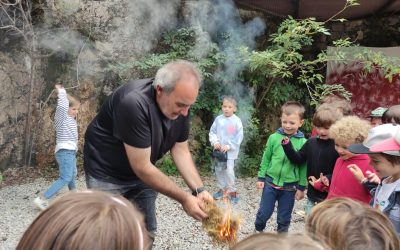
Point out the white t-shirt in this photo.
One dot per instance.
(381, 198)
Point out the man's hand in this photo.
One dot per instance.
(205, 196)
(260, 184)
(195, 206)
(299, 195)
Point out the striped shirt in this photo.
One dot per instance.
(65, 125)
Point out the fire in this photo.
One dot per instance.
(221, 225)
(228, 228)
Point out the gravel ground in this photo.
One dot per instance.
(176, 230)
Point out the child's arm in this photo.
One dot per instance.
(213, 137)
(369, 182)
(296, 157)
(62, 105)
(318, 184)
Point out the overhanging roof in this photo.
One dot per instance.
(320, 9)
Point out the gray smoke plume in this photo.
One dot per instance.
(220, 20)
(143, 25)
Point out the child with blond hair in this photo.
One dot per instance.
(346, 131)
(281, 180)
(66, 145)
(383, 147)
(346, 224)
(226, 135)
(318, 152)
(88, 220)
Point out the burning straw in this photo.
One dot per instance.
(222, 226)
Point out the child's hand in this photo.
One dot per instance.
(357, 172)
(312, 180)
(372, 177)
(260, 184)
(285, 140)
(224, 148)
(58, 86)
(299, 195)
(324, 179)
(217, 146)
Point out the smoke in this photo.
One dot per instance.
(146, 20)
(134, 27)
(220, 20)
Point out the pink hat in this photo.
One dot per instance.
(389, 146)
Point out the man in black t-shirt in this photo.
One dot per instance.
(138, 123)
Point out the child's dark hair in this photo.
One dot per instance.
(392, 159)
(325, 116)
(293, 107)
(392, 115)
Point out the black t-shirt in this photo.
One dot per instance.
(129, 115)
(321, 157)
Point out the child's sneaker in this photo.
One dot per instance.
(40, 203)
(233, 197)
(218, 195)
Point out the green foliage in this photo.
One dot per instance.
(251, 150)
(283, 91)
(167, 165)
(324, 90)
(176, 44)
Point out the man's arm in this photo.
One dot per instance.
(139, 159)
(185, 165)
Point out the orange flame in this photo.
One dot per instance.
(228, 228)
(221, 224)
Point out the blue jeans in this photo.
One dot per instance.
(66, 160)
(285, 201)
(138, 193)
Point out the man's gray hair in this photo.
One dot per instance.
(168, 75)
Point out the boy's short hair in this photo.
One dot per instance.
(349, 129)
(293, 107)
(325, 116)
(230, 99)
(344, 223)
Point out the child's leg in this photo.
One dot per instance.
(230, 175)
(267, 206)
(285, 209)
(65, 159)
(72, 183)
(220, 172)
